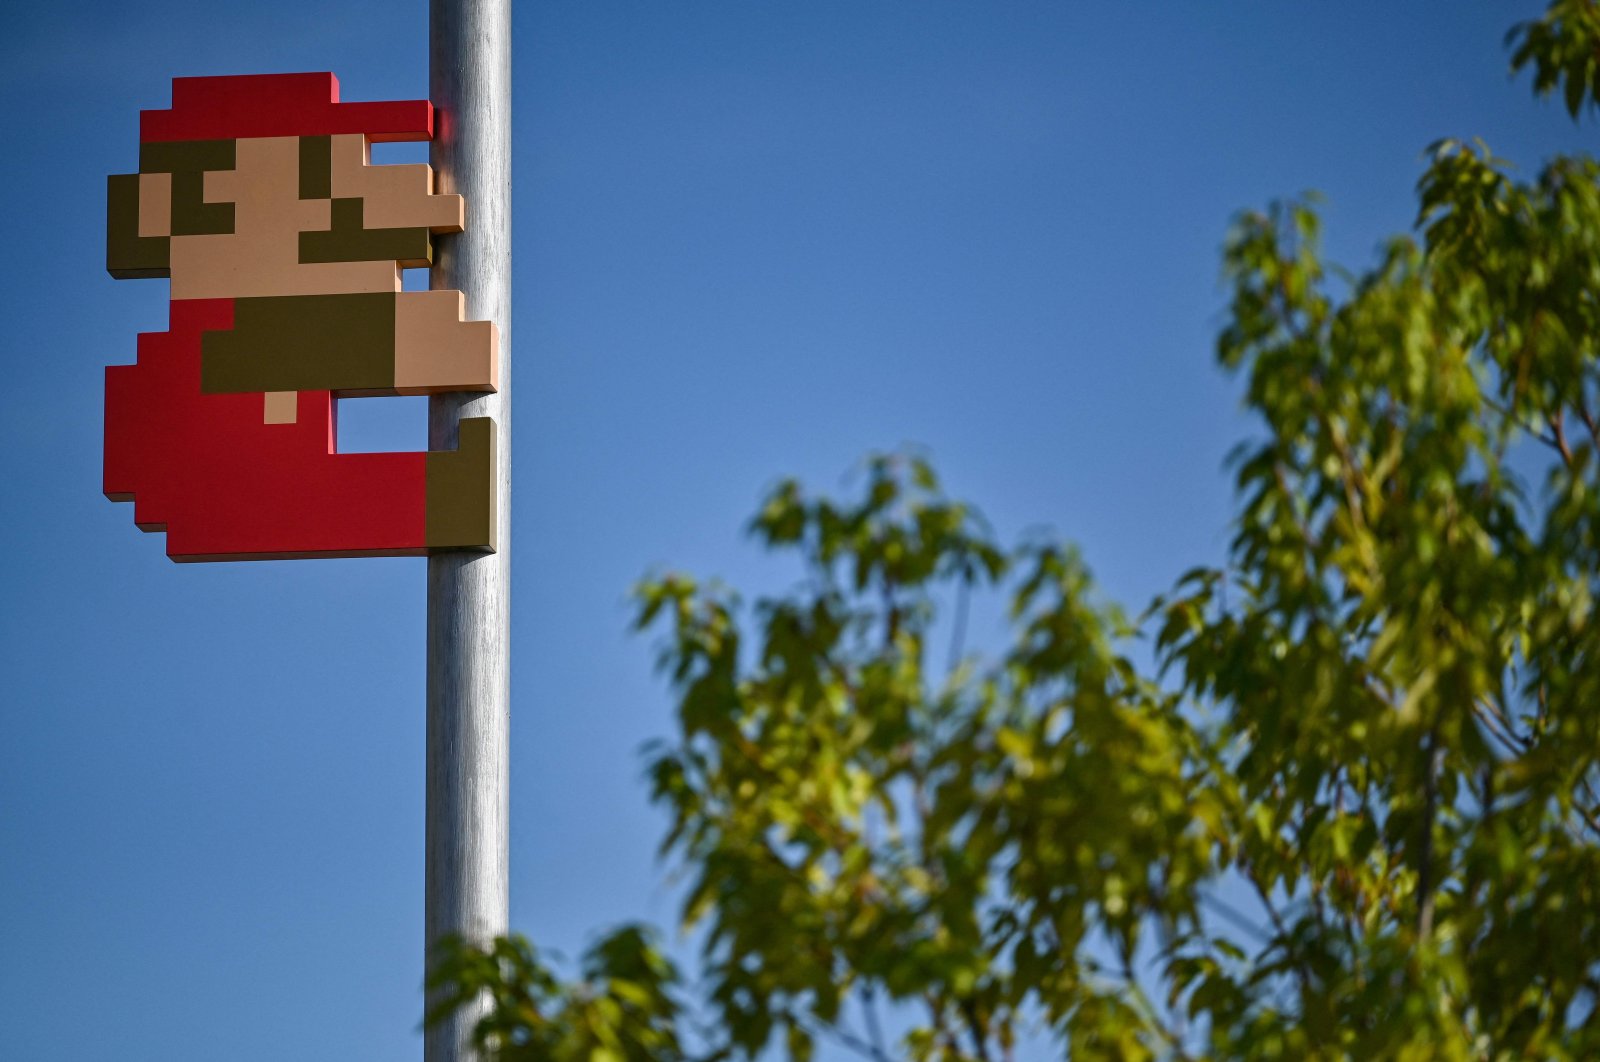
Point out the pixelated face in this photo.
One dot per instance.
(283, 215)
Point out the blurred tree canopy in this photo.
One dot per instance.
(1348, 810)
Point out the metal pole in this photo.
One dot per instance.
(469, 594)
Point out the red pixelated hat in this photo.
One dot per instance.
(251, 105)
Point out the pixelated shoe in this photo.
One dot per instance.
(461, 502)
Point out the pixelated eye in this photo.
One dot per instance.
(188, 162)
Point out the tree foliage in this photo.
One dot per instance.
(1334, 799)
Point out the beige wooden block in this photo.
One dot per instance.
(397, 197)
(261, 256)
(435, 350)
(155, 204)
(281, 407)
(209, 267)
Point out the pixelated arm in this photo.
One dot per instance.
(378, 343)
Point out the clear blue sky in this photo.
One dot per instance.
(752, 239)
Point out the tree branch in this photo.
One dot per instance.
(1430, 806)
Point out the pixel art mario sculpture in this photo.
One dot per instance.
(284, 245)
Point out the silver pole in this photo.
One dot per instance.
(469, 594)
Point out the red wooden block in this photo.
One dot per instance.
(258, 105)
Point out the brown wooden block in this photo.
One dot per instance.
(261, 257)
(303, 343)
(435, 350)
(193, 155)
(129, 255)
(187, 163)
(461, 491)
(191, 214)
(316, 167)
(349, 240)
(395, 196)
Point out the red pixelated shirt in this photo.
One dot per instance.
(225, 485)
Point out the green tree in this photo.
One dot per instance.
(1350, 813)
